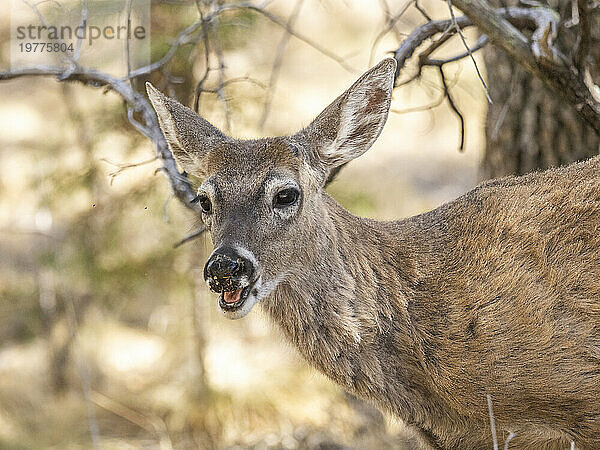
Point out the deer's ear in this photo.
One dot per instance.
(189, 136)
(350, 125)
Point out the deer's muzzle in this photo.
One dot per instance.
(227, 272)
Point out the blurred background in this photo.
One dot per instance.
(108, 335)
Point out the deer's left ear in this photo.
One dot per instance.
(349, 126)
(189, 136)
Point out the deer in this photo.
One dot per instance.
(495, 294)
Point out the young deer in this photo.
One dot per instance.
(496, 293)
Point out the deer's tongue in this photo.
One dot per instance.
(233, 296)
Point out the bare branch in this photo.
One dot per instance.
(90, 77)
(522, 17)
(420, 35)
(481, 42)
(562, 80)
(500, 26)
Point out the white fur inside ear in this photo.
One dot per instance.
(358, 128)
(362, 114)
(165, 118)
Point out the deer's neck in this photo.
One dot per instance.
(345, 307)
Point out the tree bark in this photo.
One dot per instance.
(527, 127)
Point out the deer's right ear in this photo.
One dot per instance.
(350, 125)
(189, 136)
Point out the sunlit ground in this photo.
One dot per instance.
(148, 362)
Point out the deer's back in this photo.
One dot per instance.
(508, 302)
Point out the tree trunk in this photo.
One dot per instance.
(529, 128)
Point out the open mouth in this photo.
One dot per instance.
(232, 300)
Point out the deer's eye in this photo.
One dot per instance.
(285, 197)
(204, 203)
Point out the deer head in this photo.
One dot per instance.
(263, 200)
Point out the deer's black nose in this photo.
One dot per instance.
(226, 270)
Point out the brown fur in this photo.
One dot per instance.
(497, 292)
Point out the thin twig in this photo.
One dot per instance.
(422, 11)
(278, 61)
(183, 37)
(388, 17)
(436, 44)
(437, 102)
(200, 84)
(464, 41)
(390, 25)
(427, 107)
(190, 237)
(226, 83)
(221, 85)
(123, 167)
(245, 79)
(515, 79)
(130, 117)
(481, 42)
(454, 108)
